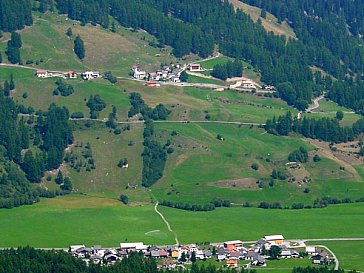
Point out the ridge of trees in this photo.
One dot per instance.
(154, 156)
(325, 129)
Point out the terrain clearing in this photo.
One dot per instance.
(270, 23)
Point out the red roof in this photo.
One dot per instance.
(70, 72)
(42, 71)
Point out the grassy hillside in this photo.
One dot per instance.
(227, 171)
(203, 167)
(270, 23)
(46, 40)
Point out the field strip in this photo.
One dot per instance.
(164, 121)
(167, 223)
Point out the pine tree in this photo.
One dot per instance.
(69, 32)
(6, 89)
(59, 179)
(113, 27)
(12, 84)
(79, 48)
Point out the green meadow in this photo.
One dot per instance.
(78, 219)
(247, 224)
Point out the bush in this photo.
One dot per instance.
(255, 166)
(316, 158)
(124, 199)
(77, 115)
(299, 155)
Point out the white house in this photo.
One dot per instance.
(247, 84)
(90, 75)
(139, 74)
(42, 73)
(73, 248)
(311, 250)
(133, 246)
(195, 68)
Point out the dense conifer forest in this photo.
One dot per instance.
(15, 14)
(28, 147)
(325, 129)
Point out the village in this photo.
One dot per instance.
(230, 254)
(167, 74)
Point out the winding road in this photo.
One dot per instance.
(315, 104)
(167, 223)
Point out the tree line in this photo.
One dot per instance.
(326, 129)
(154, 155)
(215, 203)
(229, 70)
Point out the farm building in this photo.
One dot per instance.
(233, 244)
(90, 75)
(70, 75)
(133, 246)
(274, 239)
(195, 67)
(42, 73)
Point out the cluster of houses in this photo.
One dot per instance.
(230, 253)
(88, 75)
(166, 74)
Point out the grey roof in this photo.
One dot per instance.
(207, 252)
(154, 253)
(255, 256)
(261, 242)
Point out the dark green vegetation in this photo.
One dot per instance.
(154, 156)
(228, 70)
(15, 14)
(325, 129)
(44, 141)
